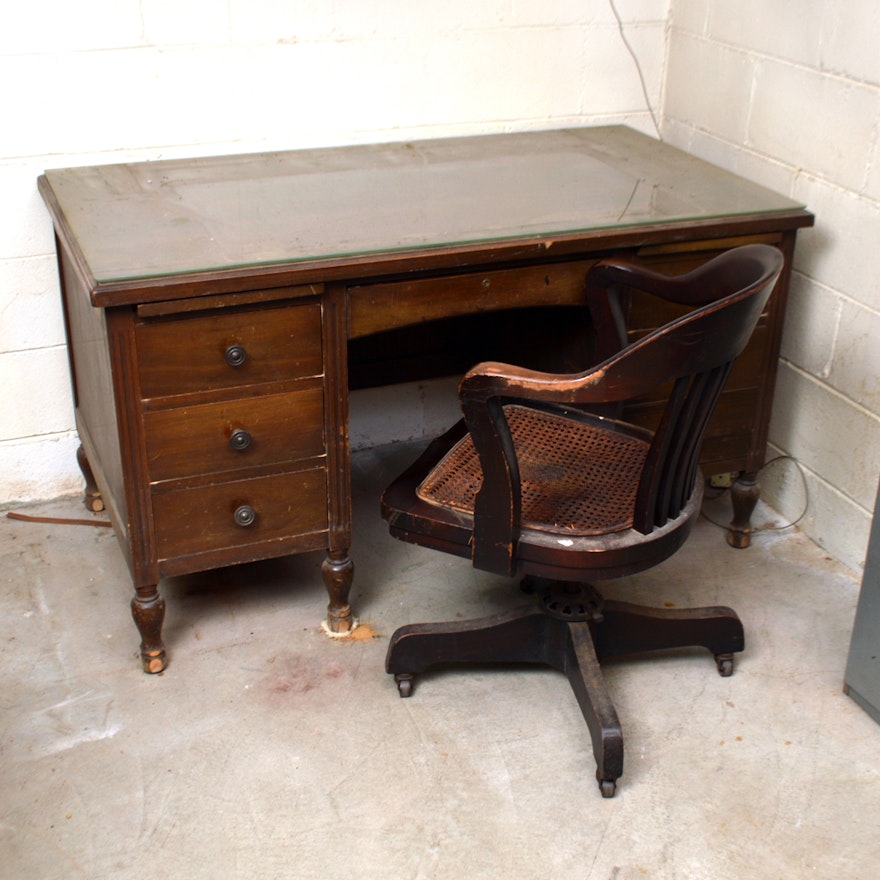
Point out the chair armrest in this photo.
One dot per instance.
(595, 387)
(483, 393)
(498, 504)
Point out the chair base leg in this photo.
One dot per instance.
(573, 646)
(586, 680)
(635, 629)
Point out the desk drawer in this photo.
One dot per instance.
(228, 348)
(240, 513)
(218, 437)
(374, 308)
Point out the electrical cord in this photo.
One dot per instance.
(782, 528)
(57, 520)
(638, 67)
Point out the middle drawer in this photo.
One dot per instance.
(218, 437)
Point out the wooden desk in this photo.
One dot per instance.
(209, 304)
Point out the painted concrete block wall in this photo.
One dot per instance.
(788, 94)
(106, 81)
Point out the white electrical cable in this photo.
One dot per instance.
(638, 67)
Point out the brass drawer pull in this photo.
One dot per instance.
(244, 515)
(240, 440)
(235, 355)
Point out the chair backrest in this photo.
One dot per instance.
(695, 354)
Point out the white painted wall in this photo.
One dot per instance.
(787, 92)
(113, 80)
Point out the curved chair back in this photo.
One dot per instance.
(695, 353)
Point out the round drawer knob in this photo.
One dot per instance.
(239, 440)
(244, 515)
(235, 355)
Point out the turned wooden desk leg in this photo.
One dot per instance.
(148, 611)
(92, 494)
(338, 573)
(744, 493)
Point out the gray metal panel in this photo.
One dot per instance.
(862, 680)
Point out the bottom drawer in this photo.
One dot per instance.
(240, 513)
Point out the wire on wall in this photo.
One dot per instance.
(638, 67)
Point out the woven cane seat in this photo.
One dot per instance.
(577, 477)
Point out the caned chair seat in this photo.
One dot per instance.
(578, 476)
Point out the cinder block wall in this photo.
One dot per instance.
(788, 94)
(105, 81)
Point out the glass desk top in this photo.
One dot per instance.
(150, 219)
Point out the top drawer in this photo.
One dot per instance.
(374, 308)
(229, 347)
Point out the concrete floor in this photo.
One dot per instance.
(267, 750)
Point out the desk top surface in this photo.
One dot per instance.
(152, 219)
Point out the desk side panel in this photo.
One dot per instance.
(104, 375)
(94, 400)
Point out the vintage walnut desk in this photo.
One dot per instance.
(219, 309)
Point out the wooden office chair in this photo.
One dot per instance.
(541, 479)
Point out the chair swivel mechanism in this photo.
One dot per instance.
(543, 480)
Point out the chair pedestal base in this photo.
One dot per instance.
(573, 639)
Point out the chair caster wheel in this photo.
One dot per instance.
(607, 787)
(724, 662)
(404, 685)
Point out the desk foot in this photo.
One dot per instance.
(92, 494)
(744, 494)
(148, 611)
(338, 573)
